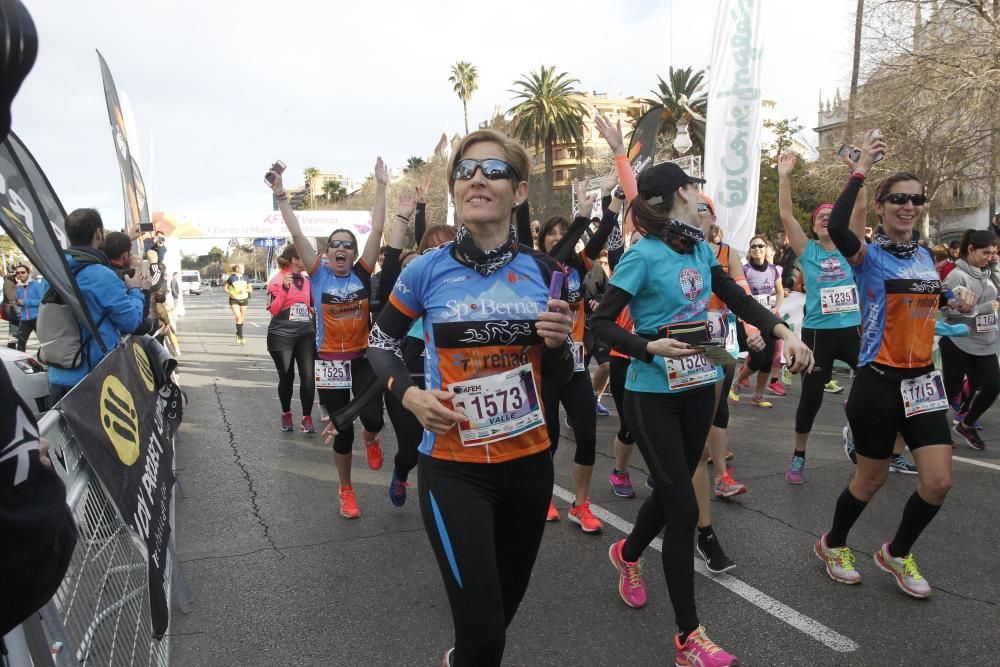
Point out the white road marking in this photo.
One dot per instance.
(974, 462)
(801, 622)
(254, 324)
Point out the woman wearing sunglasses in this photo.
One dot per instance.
(291, 337)
(409, 432)
(576, 396)
(492, 332)
(973, 356)
(764, 279)
(666, 279)
(832, 312)
(341, 286)
(896, 388)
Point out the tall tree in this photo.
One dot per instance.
(550, 111)
(308, 174)
(465, 79)
(414, 163)
(333, 192)
(683, 89)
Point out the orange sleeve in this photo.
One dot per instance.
(315, 267)
(402, 308)
(627, 179)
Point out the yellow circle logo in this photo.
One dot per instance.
(120, 419)
(145, 369)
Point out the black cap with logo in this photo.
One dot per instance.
(662, 180)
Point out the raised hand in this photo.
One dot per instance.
(871, 148)
(423, 187)
(609, 182)
(786, 163)
(611, 133)
(277, 186)
(381, 172)
(584, 200)
(407, 205)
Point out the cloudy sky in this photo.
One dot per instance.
(220, 89)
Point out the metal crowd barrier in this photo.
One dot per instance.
(100, 615)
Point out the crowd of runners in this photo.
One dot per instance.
(473, 339)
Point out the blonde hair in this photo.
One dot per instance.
(513, 154)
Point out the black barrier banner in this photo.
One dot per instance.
(132, 187)
(33, 216)
(124, 414)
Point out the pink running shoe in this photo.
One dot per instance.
(700, 651)
(286, 422)
(776, 388)
(307, 424)
(630, 585)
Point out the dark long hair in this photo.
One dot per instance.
(287, 255)
(650, 220)
(976, 239)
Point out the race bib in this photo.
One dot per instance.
(497, 407)
(299, 312)
(688, 372)
(578, 358)
(843, 299)
(763, 299)
(986, 323)
(333, 374)
(718, 329)
(923, 394)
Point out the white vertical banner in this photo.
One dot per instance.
(733, 124)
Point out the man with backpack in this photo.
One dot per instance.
(116, 306)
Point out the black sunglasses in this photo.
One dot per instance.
(338, 243)
(900, 199)
(21, 273)
(493, 169)
(757, 246)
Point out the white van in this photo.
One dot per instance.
(190, 282)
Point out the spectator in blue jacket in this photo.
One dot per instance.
(116, 304)
(29, 298)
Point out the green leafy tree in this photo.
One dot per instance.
(465, 79)
(414, 163)
(768, 218)
(550, 111)
(308, 174)
(683, 89)
(333, 192)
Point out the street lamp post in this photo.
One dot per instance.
(682, 140)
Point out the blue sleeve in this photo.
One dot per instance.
(123, 307)
(407, 293)
(630, 274)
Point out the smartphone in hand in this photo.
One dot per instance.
(276, 169)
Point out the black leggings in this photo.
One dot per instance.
(827, 345)
(757, 361)
(983, 373)
(618, 371)
(721, 419)
(289, 352)
(671, 430)
(335, 399)
(485, 523)
(23, 332)
(577, 397)
(409, 432)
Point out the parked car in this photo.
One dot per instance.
(190, 282)
(258, 284)
(30, 377)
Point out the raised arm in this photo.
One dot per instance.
(370, 254)
(797, 238)
(306, 252)
(859, 216)
(420, 221)
(847, 241)
(610, 207)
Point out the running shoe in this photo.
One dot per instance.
(630, 585)
(243, 341)
(238, 340)
(729, 457)
(971, 436)
(775, 388)
(600, 409)
(905, 570)
(795, 474)
(898, 463)
(397, 489)
(307, 424)
(839, 562)
(716, 559)
(583, 517)
(621, 484)
(727, 487)
(447, 657)
(700, 651)
(286, 422)
(832, 387)
(959, 418)
(374, 446)
(786, 375)
(758, 401)
(348, 503)
(734, 393)
(553, 514)
(849, 450)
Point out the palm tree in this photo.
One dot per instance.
(684, 86)
(308, 174)
(465, 77)
(550, 111)
(414, 163)
(333, 192)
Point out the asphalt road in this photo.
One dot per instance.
(279, 578)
